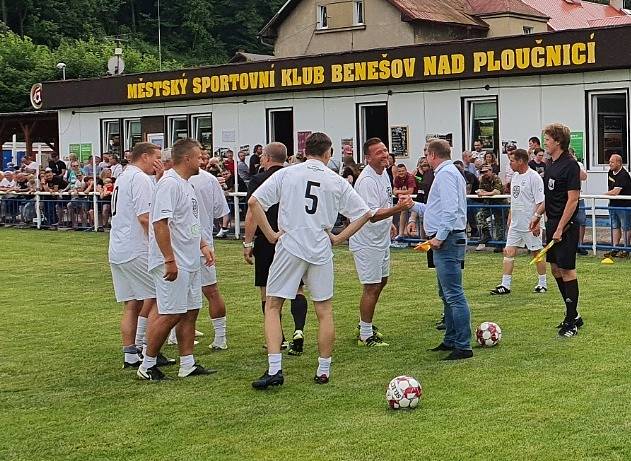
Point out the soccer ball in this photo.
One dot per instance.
(404, 392)
(488, 334)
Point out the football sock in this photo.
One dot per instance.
(571, 299)
(220, 330)
(299, 311)
(507, 280)
(263, 307)
(365, 330)
(131, 354)
(148, 362)
(274, 363)
(543, 281)
(324, 366)
(172, 336)
(141, 328)
(561, 285)
(186, 361)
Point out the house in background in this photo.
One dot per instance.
(308, 27)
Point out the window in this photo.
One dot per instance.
(528, 30)
(178, 128)
(609, 129)
(372, 122)
(481, 123)
(133, 133)
(322, 17)
(280, 127)
(203, 130)
(359, 12)
(111, 141)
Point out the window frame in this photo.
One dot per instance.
(361, 126)
(528, 30)
(468, 120)
(194, 128)
(127, 141)
(322, 22)
(170, 120)
(358, 10)
(104, 133)
(591, 142)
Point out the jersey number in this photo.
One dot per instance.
(314, 198)
(114, 199)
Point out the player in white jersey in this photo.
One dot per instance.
(212, 205)
(526, 196)
(175, 242)
(128, 249)
(371, 244)
(310, 197)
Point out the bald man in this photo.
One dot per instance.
(619, 183)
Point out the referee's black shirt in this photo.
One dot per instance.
(272, 212)
(561, 176)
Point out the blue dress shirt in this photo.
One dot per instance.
(447, 202)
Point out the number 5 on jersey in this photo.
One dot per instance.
(314, 198)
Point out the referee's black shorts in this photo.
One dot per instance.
(563, 253)
(263, 256)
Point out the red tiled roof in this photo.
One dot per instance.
(578, 15)
(481, 7)
(452, 11)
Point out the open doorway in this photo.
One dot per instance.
(280, 127)
(372, 122)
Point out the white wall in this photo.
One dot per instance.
(525, 105)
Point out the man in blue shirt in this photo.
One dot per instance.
(445, 222)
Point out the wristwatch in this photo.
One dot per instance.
(248, 245)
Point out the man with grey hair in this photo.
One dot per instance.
(256, 246)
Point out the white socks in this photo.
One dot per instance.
(507, 280)
(220, 331)
(365, 330)
(141, 328)
(324, 366)
(274, 363)
(131, 354)
(543, 281)
(187, 362)
(148, 362)
(172, 339)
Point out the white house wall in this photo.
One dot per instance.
(525, 105)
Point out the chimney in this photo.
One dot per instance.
(617, 4)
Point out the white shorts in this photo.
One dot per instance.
(372, 265)
(288, 270)
(208, 274)
(179, 296)
(521, 239)
(132, 280)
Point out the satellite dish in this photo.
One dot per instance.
(116, 65)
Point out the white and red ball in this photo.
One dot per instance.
(488, 334)
(404, 392)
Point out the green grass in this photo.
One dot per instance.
(64, 396)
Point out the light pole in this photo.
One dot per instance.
(159, 39)
(62, 66)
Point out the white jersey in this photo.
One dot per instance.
(176, 201)
(310, 196)
(376, 191)
(133, 192)
(212, 202)
(526, 192)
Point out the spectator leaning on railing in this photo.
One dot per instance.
(490, 185)
(404, 185)
(619, 183)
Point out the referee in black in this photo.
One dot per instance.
(256, 245)
(562, 184)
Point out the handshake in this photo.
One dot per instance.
(405, 202)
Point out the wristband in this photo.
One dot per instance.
(248, 245)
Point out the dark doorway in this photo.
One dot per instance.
(373, 123)
(280, 127)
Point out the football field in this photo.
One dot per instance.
(64, 396)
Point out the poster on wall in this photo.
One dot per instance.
(245, 148)
(156, 138)
(399, 141)
(576, 143)
(449, 137)
(302, 141)
(228, 135)
(82, 151)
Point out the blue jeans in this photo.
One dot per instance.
(449, 273)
